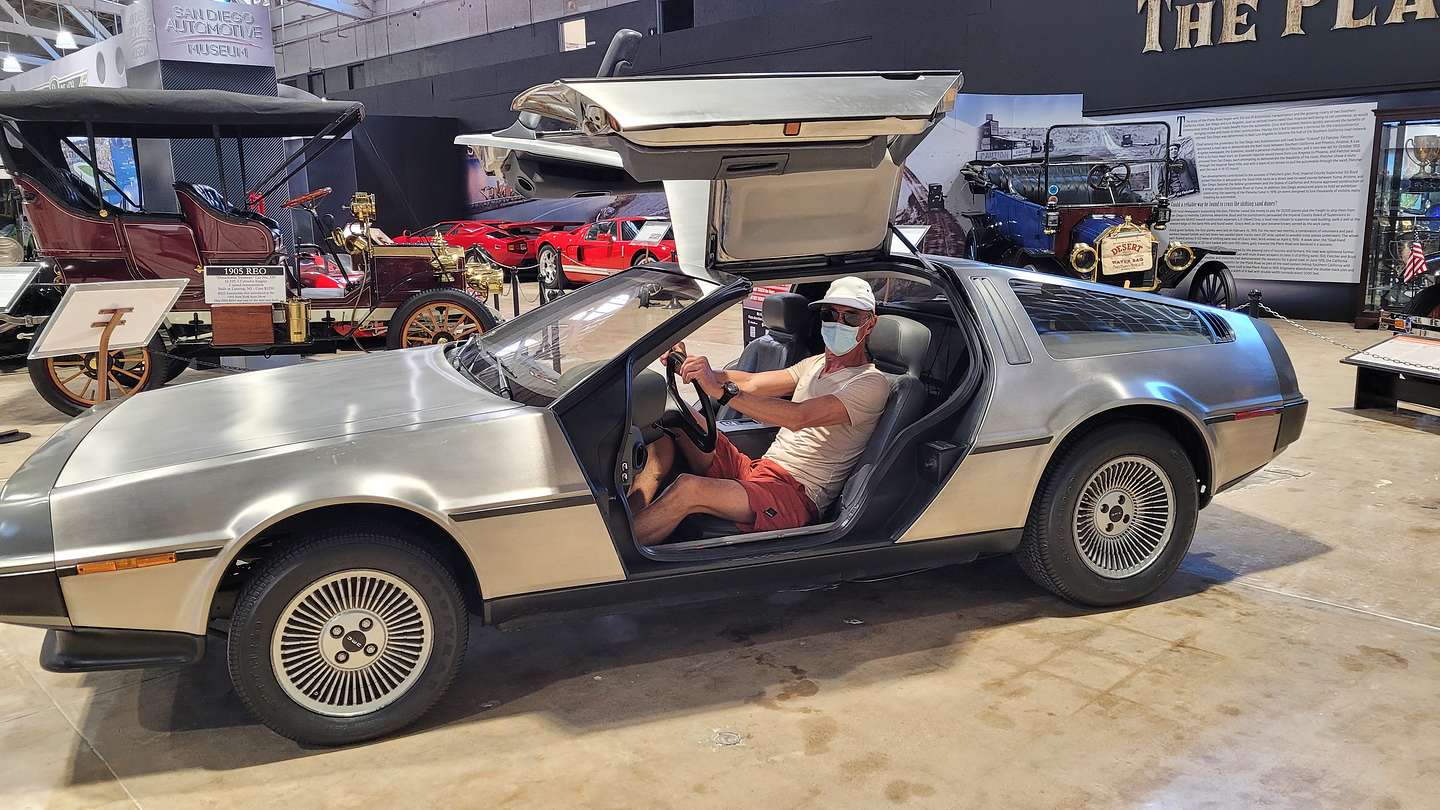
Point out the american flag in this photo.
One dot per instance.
(1415, 262)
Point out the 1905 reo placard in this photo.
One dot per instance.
(244, 284)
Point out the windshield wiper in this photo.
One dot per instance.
(463, 363)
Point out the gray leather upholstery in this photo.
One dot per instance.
(787, 318)
(898, 346)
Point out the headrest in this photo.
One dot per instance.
(898, 345)
(786, 312)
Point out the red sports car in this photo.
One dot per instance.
(576, 256)
(508, 245)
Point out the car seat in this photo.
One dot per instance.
(898, 347)
(787, 320)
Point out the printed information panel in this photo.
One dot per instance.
(244, 284)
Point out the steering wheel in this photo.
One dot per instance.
(703, 436)
(1104, 177)
(306, 198)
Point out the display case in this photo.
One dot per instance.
(1402, 242)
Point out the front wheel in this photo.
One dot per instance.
(1113, 517)
(438, 316)
(1213, 286)
(550, 271)
(71, 383)
(346, 636)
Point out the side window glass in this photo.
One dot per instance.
(1073, 322)
(629, 229)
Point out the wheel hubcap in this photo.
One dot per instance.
(351, 643)
(1124, 517)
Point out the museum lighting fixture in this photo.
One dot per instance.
(64, 40)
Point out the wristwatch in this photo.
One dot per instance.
(731, 391)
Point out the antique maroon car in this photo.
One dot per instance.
(89, 227)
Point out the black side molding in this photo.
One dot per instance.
(32, 598)
(91, 649)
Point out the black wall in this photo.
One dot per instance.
(1092, 47)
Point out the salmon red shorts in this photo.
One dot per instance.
(776, 498)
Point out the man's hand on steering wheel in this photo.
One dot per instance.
(697, 370)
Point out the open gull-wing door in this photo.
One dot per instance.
(758, 168)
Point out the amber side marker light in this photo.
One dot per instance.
(125, 564)
(792, 128)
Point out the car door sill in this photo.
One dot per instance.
(741, 539)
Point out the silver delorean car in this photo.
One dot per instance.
(342, 523)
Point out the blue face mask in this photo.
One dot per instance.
(839, 338)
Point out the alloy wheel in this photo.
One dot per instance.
(351, 643)
(1124, 517)
(549, 270)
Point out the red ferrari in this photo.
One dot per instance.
(507, 245)
(569, 258)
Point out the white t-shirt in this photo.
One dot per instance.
(820, 458)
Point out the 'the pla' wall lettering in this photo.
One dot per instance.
(1196, 24)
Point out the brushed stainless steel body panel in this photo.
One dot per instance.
(445, 466)
(1048, 398)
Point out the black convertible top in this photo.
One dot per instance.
(135, 113)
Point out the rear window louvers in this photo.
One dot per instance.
(1222, 330)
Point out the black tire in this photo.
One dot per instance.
(641, 258)
(175, 367)
(550, 273)
(1051, 550)
(50, 375)
(445, 299)
(285, 578)
(1213, 286)
(1425, 303)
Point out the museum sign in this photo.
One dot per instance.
(1228, 22)
(200, 31)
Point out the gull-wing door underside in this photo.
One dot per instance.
(758, 167)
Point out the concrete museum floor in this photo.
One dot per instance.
(1292, 662)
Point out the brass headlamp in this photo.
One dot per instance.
(1084, 259)
(1179, 256)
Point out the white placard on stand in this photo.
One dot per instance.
(14, 279)
(80, 320)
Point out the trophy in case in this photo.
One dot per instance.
(1424, 150)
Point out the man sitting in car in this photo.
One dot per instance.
(835, 400)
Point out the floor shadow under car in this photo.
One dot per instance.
(623, 668)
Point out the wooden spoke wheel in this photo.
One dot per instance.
(438, 317)
(72, 383)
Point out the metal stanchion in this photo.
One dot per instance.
(1254, 310)
(515, 292)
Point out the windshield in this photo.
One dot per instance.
(538, 356)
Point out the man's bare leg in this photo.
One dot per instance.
(691, 494)
(661, 459)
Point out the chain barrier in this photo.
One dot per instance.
(1355, 351)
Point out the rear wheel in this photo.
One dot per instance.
(1113, 517)
(551, 274)
(438, 316)
(71, 383)
(346, 636)
(1213, 286)
(643, 257)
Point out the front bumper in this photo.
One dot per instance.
(92, 649)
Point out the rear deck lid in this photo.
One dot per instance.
(779, 166)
